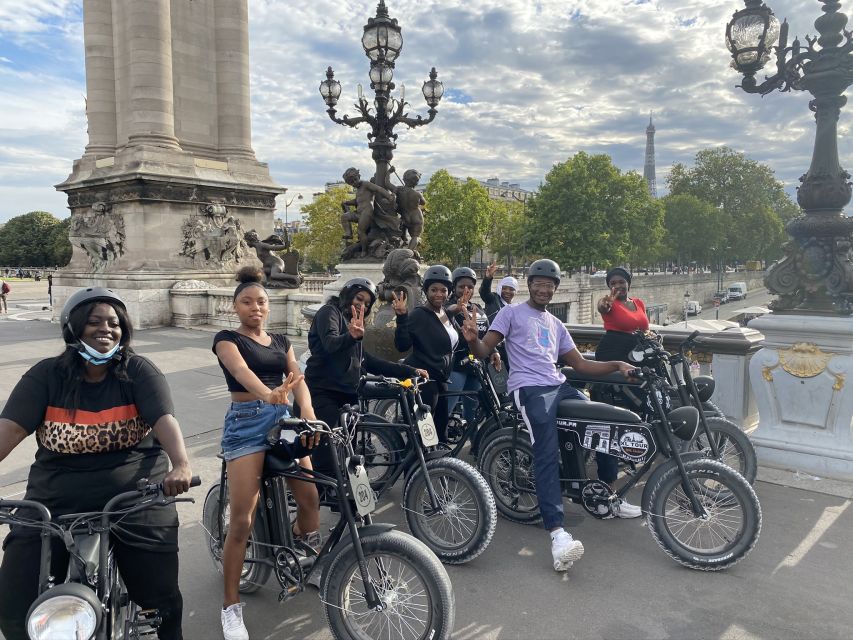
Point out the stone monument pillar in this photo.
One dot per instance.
(168, 183)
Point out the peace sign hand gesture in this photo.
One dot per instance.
(280, 394)
(399, 304)
(462, 301)
(356, 325)
(491, 269)
(606, 303)
(469, 326)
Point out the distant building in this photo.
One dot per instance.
(649, 166)
(497, 190)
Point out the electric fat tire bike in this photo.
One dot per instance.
(702, 513)
(494, 411)
(447, 502)
(717, 437)
(92, 601)
(375, 582)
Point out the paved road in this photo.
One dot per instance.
(796, 584)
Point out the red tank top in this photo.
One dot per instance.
(621, 318)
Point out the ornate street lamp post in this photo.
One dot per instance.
(816, 274)
(382, 42)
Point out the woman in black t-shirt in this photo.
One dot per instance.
(103, 417)
(255, 364)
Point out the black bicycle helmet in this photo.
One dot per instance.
(463, 272)
(438, 273)
(83, 296)
(544, 268)
(354, 285)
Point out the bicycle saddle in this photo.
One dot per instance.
(584, 410)
(276, 466)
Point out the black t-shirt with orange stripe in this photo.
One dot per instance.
(87, 456)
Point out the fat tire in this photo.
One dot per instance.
(395, 546)
(737, 490)
(255, 574)
(416, 497)
(734, 440)
(392, 442)
(493, 459)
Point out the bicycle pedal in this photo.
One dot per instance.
(289, 592)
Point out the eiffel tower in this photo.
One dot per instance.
(649, 166)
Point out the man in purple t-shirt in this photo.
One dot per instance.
(535, 341)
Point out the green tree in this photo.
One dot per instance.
(320, 244)
(506, 233)
(27, 240)
(753, 203)
(587, 212)
(457, 219)
(695, 229)
(59, 244)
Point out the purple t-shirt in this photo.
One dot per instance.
(534, 341)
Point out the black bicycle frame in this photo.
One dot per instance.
(573, 462)
(276, 509)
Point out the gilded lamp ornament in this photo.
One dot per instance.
(816, 274)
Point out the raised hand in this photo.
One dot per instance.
(280, 394)
(399, 304)
(491, 269)
(462, 301)
(356, 325)
(606, 302)
(469, 325)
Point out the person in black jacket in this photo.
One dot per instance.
(338, 357)
(495, 301)
(431, 336)
(461, 378)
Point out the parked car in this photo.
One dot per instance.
(693, 308)
(722, 296)
(737, 291)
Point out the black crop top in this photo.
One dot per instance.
(268, 363)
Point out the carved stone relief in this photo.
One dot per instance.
(99, 233)
(213, 239)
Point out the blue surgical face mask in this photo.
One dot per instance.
(96, 357)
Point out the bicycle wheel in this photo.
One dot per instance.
(736, 450)
(255, 574)
(513, 504)
(726, 533)
(411, 583)
(383, 449)
(388, 409)
(465, 527)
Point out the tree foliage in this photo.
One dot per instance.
(506, 232)
(753, 204)
(587, 212)
(35, 239)
(695, 230)
(320, 244)
(456, 220)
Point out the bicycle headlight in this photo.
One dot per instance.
(67, 611)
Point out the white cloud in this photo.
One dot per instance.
(528, 84)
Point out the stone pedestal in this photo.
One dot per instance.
(168, 183)
(801, 378)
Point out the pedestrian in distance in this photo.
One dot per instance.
(261, 372)
(536, 340)
(103, 419)
(5, 290)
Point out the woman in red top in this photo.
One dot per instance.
(622, 316)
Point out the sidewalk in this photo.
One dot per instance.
(795, 584)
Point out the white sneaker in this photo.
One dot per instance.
(232, 623)
(622, 509)
(565, 550)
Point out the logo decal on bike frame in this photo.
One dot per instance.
(634, 445)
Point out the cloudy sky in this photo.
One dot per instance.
(527, 83)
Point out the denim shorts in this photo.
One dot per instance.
(247, 425)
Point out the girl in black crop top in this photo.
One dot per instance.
(261, 371)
